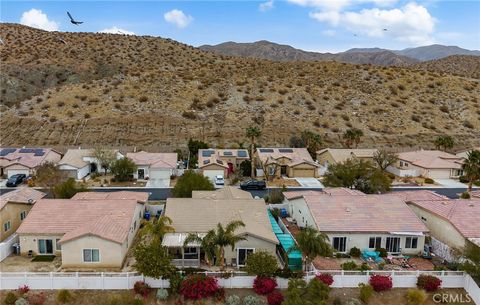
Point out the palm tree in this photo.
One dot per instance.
(225, 236)
(471, 167)
(312, 142)
(159, 228)
(351, 136)
(253, 133)
(445, 142)
(206, 243)
(312, 243)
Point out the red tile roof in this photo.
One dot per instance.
(21, 195)
(431, 159)
(418, 195)
(154, 160)
(120, 195)
(335, 191)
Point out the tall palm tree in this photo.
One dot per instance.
(445, 142)
(351, 136)
(225, 236)
(471, 167)
(159, 228)
(312, 142)
(253, 133)
(312, 243)
(206, 243)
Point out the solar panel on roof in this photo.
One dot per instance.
(39, 152)
(227, 153)
(285, 150)
(207, 153)
(266, 150)
(242, 153)
(26, 151)
(7, 151)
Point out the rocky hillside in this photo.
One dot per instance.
(463, 65)
(71, 89)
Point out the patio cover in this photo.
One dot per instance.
(174, 240)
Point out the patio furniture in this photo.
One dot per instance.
(371, 256)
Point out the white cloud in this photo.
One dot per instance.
(178, 18)
(115, 30)
(37, 19)
(332, 17)
(337, 5)
(265, 6)
(329, 33)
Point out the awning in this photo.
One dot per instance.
(408, 233)
(177, 239)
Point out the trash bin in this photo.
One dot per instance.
(16, 248)
(147, 216)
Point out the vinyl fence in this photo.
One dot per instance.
(6, 247)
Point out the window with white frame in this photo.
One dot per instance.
(411, 242)
(23, 215)
(375, 242)
(57, 245)
(340, 244)
(91, 255)
(7, 226)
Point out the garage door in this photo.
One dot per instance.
(159, 174)
(11, 172)
(304, 172)
(439, 174)
(70, 173)
(210, 174)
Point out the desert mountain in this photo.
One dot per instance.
(69, 89)
(435, 51)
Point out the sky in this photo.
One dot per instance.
(314, 25)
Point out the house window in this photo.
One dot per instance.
(190, 253)
(23, 215)
(45, 246)
(242, 255)
(91, 255)
(375, 242)
(134, 224)
(7, 226)
(393, 244)
(57, 245)
(411, 242)
(340, 244)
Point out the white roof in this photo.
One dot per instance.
(177, 240)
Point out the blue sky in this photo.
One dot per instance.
(316, 25)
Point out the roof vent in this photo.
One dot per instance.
(30, 201)
(347, 210)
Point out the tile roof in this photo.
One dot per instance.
(74, 157)
(417, 195)
(368, 213)
(434, 159)
(154, 160)
(118, 195)
(475, 194)
(210, 156)
(227, 192)
(108, 219)
(296, 156)
(21, 195)
(25, 156)
(462, 214)
(340, 155)
(193, 215)
(335, 191)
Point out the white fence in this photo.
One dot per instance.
(6, 247)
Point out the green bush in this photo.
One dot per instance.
(261, 263)
(233, 300)
(355, 252)
(383, 252)
(366, 292)
(191, 181)
(350, 265)
(10, 298)
(465, 195)
(429, 181)
(162, 294)
(64, 296)
(21, 301)
(364, 267)
(416, 297)
(274, 196)
(251, 300)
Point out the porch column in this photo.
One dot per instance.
(183, 257)
(198, 256)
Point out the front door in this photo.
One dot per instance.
(393, 244)
(283, 170)
(141, 174)
(45, 246)
(242, 256)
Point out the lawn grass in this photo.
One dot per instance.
(43, 258)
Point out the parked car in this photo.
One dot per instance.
(16, 179)
(253, 185)
(219, 180)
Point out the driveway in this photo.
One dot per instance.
(158, 183)
(450, 183)
(309, 182)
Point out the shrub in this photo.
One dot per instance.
(350, 265)
(21, 301)
(198, 286)
(10, 298)
(428, 282)
(36, 298)
(366, 292)
(355, 252)
(275, 298)
(275, 196)
(364, 267)
(175, 283)
(381, 282)
(220, 294)
(141, 288)
(337, 301)
(261, 263)
(162, 294)
(233, 300)
(64, 296)
(264, 285)
(251, 300)
(465, 195)
(24, 289)
(382, 252)
(428, 181)
(416, 297)
(325, 278)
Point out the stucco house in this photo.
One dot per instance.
(213, 162)
(25, 160)
(464, 153)
(290, 162)
(86, 231)
(202, 213)
(158, 167)
(329, 156)
(434, 164)
(452, 223)
(14, 208)
(79, 163)
(361, 221)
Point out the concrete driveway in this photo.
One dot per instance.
(450, 183)
(309, 182)
(158, 183)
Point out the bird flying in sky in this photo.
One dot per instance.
(73, 21)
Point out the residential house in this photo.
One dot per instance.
(202, 213)
(79, 163)
(330, 156)
(452, 223)
(434, 164)
(86, 231)
(290, 162)
(213, 162)
(25, 160)
(14, 207)
(158, 167)
(475, 194)
(361, 221)
(464, 153)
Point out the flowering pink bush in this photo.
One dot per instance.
(325, 278)
(23, 289)
(275, 298)
(428, 282)
(264, 285)
(199, 286)
(141, 288)
(381, 282)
